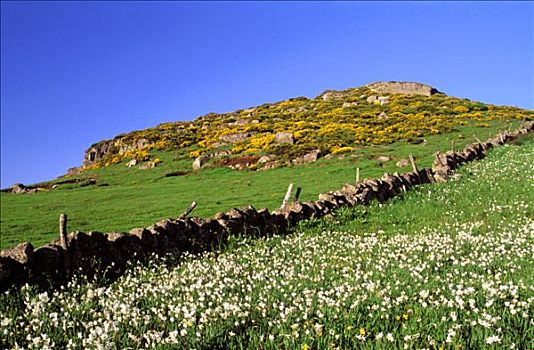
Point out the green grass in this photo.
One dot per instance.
(446, 266)
(135, 198)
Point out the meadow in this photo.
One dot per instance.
(446, 266)
(123, 198)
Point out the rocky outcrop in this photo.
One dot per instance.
(309, 157)
(399, 87)
(283, 137)
(332, 95)
(99, 150)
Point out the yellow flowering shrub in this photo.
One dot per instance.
(340, 150)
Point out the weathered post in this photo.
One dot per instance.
(479, 142)
(297, 194)
(287, 196)
(452, 145)
(357, 176)
(414, 166)
(63, 230)
(188, 211)
(436, 155)
(63, 241)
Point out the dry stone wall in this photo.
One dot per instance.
(98, 253)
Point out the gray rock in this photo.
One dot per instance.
(402, 163)
(399, 87)
(233, 138)
(309, 157)
(199, 162)
(263, 160)
(372, 99)
(18, 188)
(148, 165)
(332, 95)
(384, 100)
(131, 163)
(349, 104)
(383, 159)
(283, 137)
(22, 252)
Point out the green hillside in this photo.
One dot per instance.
(359, 127)
(446, 266)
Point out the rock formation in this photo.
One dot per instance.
(400, 87)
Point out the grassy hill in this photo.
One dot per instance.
(446, 266)
(349, 129)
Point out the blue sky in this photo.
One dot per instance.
(74, 73)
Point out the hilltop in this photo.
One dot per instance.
(300, 130)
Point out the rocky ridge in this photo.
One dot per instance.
(334, 121)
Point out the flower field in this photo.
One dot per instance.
(447, 266)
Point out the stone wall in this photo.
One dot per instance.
(95, 252)
(398, 87)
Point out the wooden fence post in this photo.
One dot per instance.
(414, 166)
(63, 241)
(480, 142)
(297, 194)
(63, 230)
(188, 211)
(357, 176)
(287, 196)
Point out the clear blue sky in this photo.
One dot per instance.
(74, 73)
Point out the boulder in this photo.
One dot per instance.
(263, 160)
(372, 99)
(221, 153)
(309, 157)
(126, 247)
(131, 163)
(383, 116)
(332, 95)
(90, 252)
(18, 188)
(283, 137)
(199, 162)
(270, 165)
(149, 165)
(22, 252)
(384, 100)
(349, 104)
(146, 237)
(233, 138)
(383, 159)
(402, 163)
(12, 273)
(47, 266)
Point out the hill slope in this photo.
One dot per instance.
(368, 127)
(447, 266)
(300, 129)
